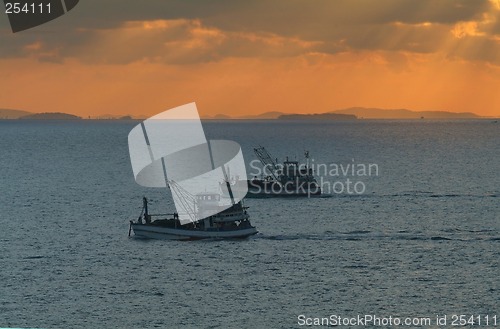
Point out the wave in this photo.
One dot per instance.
(33, 257)
(415, 194)
(357, 232)
(365, 235)
(441, 195)
(440, 238)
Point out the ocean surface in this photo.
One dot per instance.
(423, 239)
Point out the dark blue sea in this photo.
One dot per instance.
(422, 240)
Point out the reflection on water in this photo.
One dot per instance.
(422, 240)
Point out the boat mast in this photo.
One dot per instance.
(266, 160)
(226, 178)
(145, 206)
(224, 172)
(306, 154)
(147, 218)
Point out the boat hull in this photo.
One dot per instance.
(167, 233)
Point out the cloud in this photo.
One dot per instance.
(476, 48)
(178, 41)
(284, 17)
(189, 32)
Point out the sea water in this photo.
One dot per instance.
(422, 240)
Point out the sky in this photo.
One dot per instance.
(129, 57)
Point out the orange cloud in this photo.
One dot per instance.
(178, 41)
(440, 55)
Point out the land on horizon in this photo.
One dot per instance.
(351, 113)
(11, 114)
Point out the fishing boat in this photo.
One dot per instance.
(228, 223)
(289, 178)
(170, 150)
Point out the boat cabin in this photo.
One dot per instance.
(207, 203)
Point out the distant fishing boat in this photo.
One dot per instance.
(170, 150)
(283, 179)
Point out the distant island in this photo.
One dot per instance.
(220, 117)
(50, 116)
(116, 117)
(262, 116)
(353, 113)
(12, 114)
(265, 116)
(376, 113)
(318, 116)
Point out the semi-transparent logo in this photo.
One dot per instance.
(170, 150)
